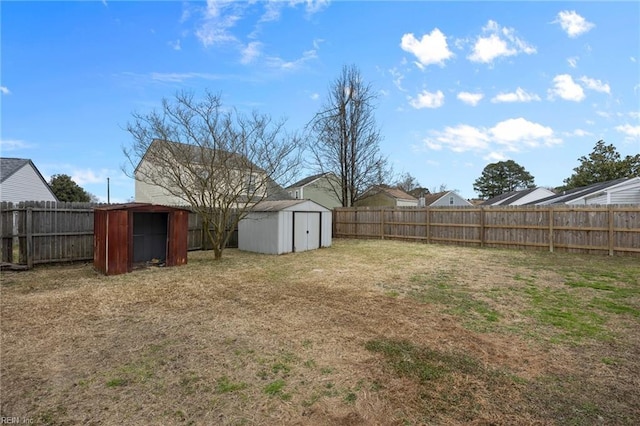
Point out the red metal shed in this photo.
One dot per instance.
(126, 234)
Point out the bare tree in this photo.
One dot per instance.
(407, 182)
(346, 139)
(215, 160)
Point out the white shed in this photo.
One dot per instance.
(277, 227)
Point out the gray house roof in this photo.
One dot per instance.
(307, 180)
(9, 166)
(582, 192)
(507, 197)
(278, 205)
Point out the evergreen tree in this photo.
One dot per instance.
(501, 177)
(602, 165)
(67, 190)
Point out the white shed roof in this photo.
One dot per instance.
(290, 205)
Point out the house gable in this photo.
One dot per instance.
(21, 181)
(445, 198)
(240, 174)
(387, 197)
(318, 188)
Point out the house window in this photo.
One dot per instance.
(451, 200)
(297, 196)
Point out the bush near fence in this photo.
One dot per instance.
(48, 232)
(611, 229)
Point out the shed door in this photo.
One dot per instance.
(306, 231)
(149, 236)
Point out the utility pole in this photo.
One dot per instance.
(108, 193)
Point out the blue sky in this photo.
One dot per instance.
(459, 84)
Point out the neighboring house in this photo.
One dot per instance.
(147, 192)
(518, 198)
(444, 198)
(320, 188)
(385, 196)
(20, 180)
(619, 191)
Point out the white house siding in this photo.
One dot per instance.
(445, 201)
(153, 194)
(407, 203)
(613, 197)
(25, 185)
(627, 192)
(631, 196)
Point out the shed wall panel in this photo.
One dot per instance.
(178, 243)
(258, 232)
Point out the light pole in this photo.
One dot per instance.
(108, 193)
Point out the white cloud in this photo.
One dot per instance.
(517, 131)
(519, 95)
(578, 132)
(275, 62)
(512, 135)
(430, 49)
(566, 88)
(487, 49)
(251, 52)
(13, 144)
(181, 77)
(500, 41)
(573, 61)
(494, 157)
(315, 96)
(88, 176)
(219, 17)
(4, 90)
(463, 138)
(397, 79)
(470, 98)
(629, 130)
(593, 84)
(572, 23)
(272, 11)
(427, 100)
(175, 45)
(311, 6)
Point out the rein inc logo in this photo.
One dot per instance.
(16, 420)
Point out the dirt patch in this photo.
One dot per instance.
(292, 339)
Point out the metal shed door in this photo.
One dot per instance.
(306, 231)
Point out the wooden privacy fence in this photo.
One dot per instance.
(587, 229)
(48, 232)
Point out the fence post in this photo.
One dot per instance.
(551, 229)
(428, 225)
(482, 226)
(611, 231)
(29, 235)
(382, 223)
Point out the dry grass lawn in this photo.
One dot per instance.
(364, 332)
